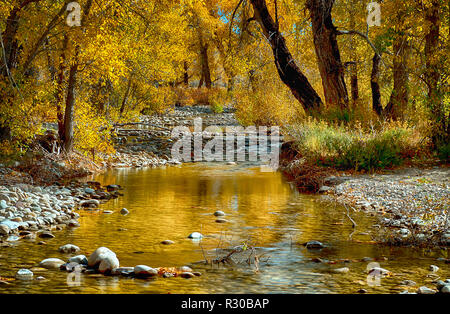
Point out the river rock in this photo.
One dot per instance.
(12, 225)
(314, 245)
(445, 289)
(24, 274)
(185, 269)
(3, 204)
(108, 263)
(221, 221)
(90, 203)
(167, 242)
(378, 271)
(195, 235)
(51, 263)
(46, 235)
(79, 259)
(187, 275)
(143, 271)
(124, 211)
(100, 254)
(425, 290)
(219, 213)
(4, 230)
(434, 268)
(69, 248)
(342, 270)
(123, 271)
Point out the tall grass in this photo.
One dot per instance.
(354, 147)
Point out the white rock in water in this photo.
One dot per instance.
(446, 289)
(425, 290)
(24, 274)
(195, 235)
(69, 248)
(219, 213)
(124, 211)
(145, 271)
(104, 258)
(51, 263)
(341, 270)
(79, 259)
(108, 263)
(434, 268)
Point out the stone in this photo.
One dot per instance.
(324, 189)
(434, 268)
(221, 221)
(108, 263)
(195, 235)
(108, 212)
(46, 235)
(342, 270)
(104, 259)
(51, 263)
(73, 223)
(79, 259)
(187, 275)
(24, 274)
(219, 213)
(314, 245)
(408, 283)
(425, 290)
(69, 248)
(124, 211)
(378, 271)
(167, 242)
(446, 289)
(185, 269)
(89, 191)
(4, 230)
(143, 271)
(3, 204)
(90, 203)
(123, 271)
(12, 225)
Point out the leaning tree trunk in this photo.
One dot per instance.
(289, 72)
(70, 105)
(353, 54)
(327, 52)
(375, 85)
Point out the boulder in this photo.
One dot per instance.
(195, 235)
(314, 245)
(104, 259)
(79, 259)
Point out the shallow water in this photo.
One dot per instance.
(262, 209)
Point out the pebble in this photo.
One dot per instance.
(342, 270)
(144, 271)
(434, 268)
(103, 258)
(24, 274)
(51, 263)
(69, 248)
(445, 289)
(46, 235)
(187, 275)
(221, 221)
(314, 245)
(124, 211)
(79, 259)
(195, 235)
(219, 213)
(425, 290)
(167, 242)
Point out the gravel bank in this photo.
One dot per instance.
(413, 204)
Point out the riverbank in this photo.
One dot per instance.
(412, 204)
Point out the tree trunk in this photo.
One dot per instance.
(206, 73)
(399, 97)
(70, 104)
(353, 54)
(327, 52)
(186, 74)
(375, 85)
(125, 97)
(288, 70)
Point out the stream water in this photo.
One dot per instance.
(262, 210)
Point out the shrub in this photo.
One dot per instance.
(352, 147)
